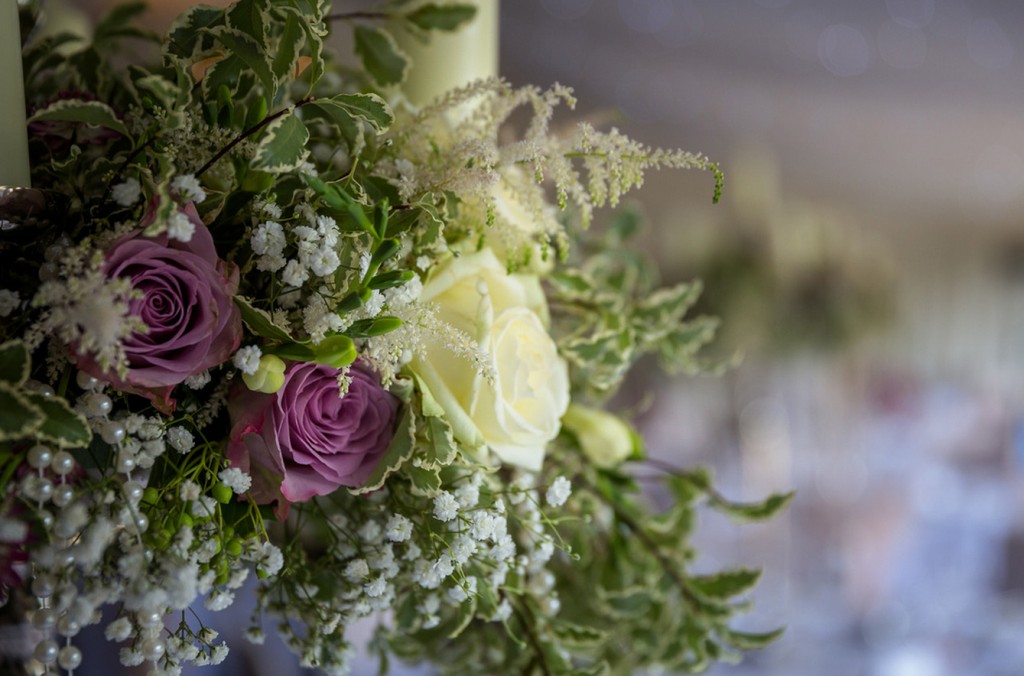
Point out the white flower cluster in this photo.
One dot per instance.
(82, 307)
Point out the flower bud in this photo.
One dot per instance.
(603, 437)
(269, 376)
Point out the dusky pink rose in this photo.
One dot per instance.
(307, 439)
(187, 304)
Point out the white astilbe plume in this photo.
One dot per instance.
(588, 168)
(86, 309)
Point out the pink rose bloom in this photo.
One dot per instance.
(307, 439)
(186, 302)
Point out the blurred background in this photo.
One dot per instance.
(867, 261)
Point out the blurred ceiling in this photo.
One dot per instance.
(909, 112)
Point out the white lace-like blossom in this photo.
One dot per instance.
(446, 507)
(247, 359)
(180, 439)
(198, 381)
(188, 186)
(399, 528)
(235, 479)
(294, 274)
(558, 492)
(127, 193)
(180, 227)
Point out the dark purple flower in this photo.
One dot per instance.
(307, 439)
(187, 304)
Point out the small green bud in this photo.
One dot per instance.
(336, 351)
(234, 547)
(150, 496)
(185, 520)
(269, 376)
(376, 326)
(221, 494)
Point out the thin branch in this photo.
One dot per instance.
(667, 564)
(249, 132)
(525, 618)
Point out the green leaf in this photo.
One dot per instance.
(383, 60)
(398, 451)
(250, 17)
(428, 404)
(283, 146)
(751, 641)
(424, 481)
(442, 449)
(288, 48)
(756, 511)
(14, 362)
(668, 304)
(186, 33)
(94, 113)
(578, 635)
(163, 91)
(252, 53)
(19, 417)
(260, 322)
(631, 602)
(726, 584)
(441, 17)
(116, 23)
(343, 108)
(314, 40)
(61, 424)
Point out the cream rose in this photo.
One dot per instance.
(518, 413)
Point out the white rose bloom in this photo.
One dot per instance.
(520, 412)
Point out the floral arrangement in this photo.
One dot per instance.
(276, 324)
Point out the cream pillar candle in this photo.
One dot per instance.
(451, 60)
(14, 167)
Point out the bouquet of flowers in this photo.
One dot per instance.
(275, 323)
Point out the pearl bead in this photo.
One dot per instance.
(44, 585)
(97, 405)
(63, 495)
(133, 490)
(153, 648)
(63, 463)
(112, 432)
(141, 523)
(69, 658)
(68, 627)
(39, 456)
(44, 489)
(46, 651)
(46, 518)
(44, 618)
(149, 618)
(86, 381)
